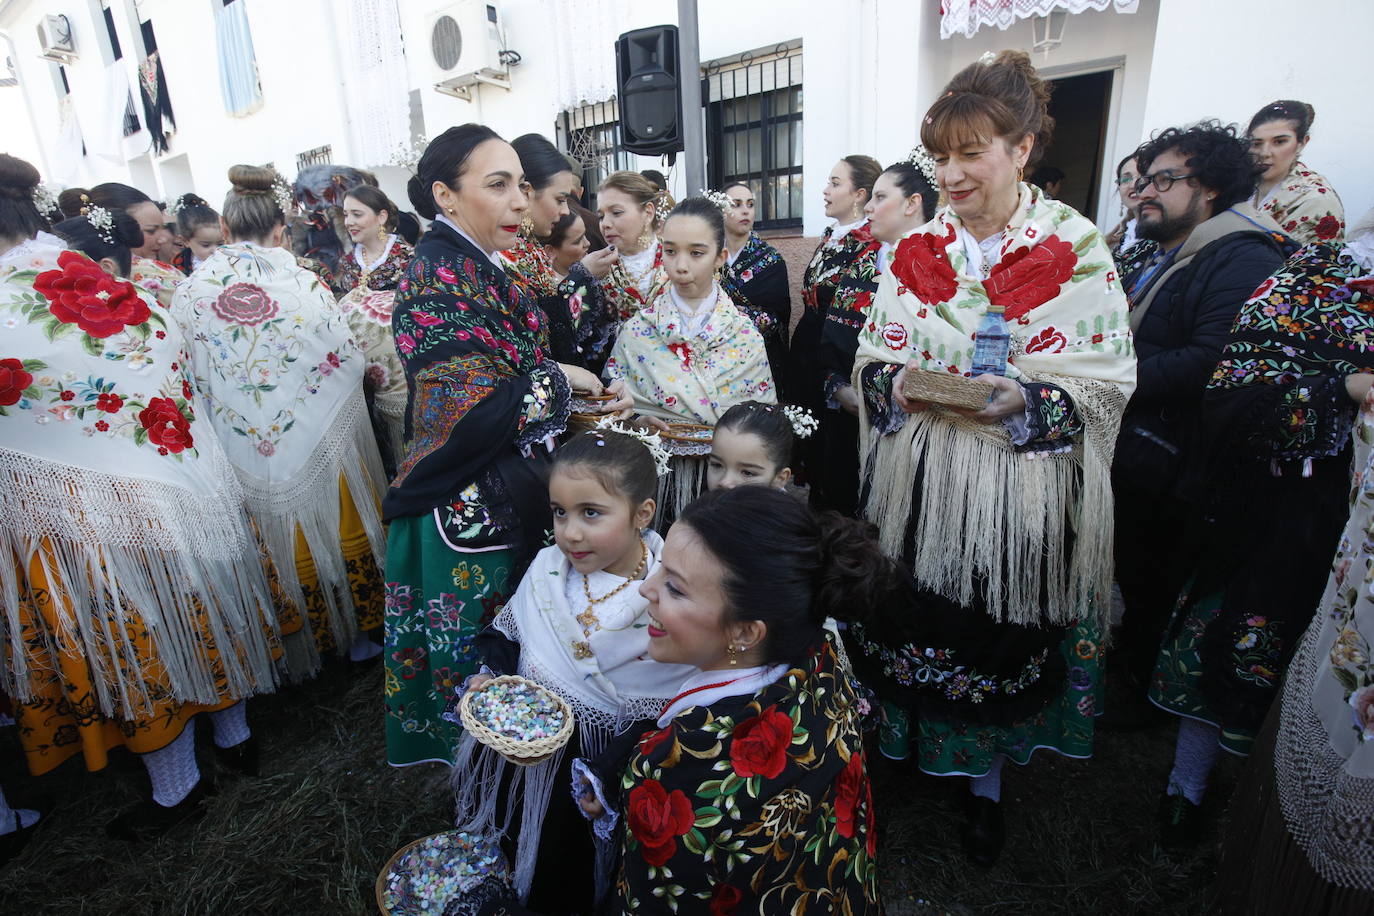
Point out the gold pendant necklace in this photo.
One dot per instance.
(588, 619)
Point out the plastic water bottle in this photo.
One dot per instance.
(991, 344)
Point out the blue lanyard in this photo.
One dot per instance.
(1164, 260)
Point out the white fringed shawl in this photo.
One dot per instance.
(987, 510)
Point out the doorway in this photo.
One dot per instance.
(1080, 106)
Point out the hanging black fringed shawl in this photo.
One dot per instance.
(152, 86)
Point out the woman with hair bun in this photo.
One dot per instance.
(1302, 202)
(631, 209)
(135, 599)
(157, 277)
(282, 376)
(753, 791)
(1004, 513)
(468, 507)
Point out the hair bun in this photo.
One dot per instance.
(190, 199)
(853, 575)
(17, 177)
(251, 179)
(420, 198)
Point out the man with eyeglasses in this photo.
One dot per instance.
(1214, 249)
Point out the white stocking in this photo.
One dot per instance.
(231, 725)
(173, 769)
(27, 817)
(1195, 754)
(989, 785)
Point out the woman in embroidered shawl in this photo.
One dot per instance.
(1272, 497)
(904, 197)
(755, 276)
(282, 377)
(157, 277)
(1302, 202)
(468, 508)
(691, 354)
(631, 208)
(1004, 514)
(370, 272)
(752, 794)
(581, 323)
(1299, 836)
(125, 614)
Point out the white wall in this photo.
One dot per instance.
(1214, 61)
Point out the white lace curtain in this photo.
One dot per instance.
(374, 77)
(965, 17)
(586, 30)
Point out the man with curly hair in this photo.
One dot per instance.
(1212, 249)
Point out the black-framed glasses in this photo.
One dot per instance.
(1162, 181)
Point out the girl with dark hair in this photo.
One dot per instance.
(379, 256)
(370, 273)
(755, 276)
(631, 208)
(580, 324)
(567, 242)
(1302, 202)
(467, 508)
(1003, 514)
(283, 383)
(577, 626)
(846, 193)
(199, 229)
(104, 237)
(765, 733)
(157, 277)
(690, 355)
(153, 608)
(754, 443)
(904, 197)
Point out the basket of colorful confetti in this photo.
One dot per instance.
(947, 389)
(519, 719)
(423, 877)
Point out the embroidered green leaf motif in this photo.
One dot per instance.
(695, 841)
(707, 816)
(709, 789)
(1346, 679)
(1085, 244)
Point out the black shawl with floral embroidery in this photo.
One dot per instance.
(484, 394)
(754, 804)
(757, 283)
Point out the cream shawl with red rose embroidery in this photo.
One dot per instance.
(1067, 315)
(682, 377)
(115, 489)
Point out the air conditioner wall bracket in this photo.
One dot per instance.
(462, 87)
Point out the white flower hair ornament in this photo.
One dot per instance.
(44, 198)
(651, 441)
(720, 199)
(802, 420)
(286, 199)
(922, 159)
(101, 221)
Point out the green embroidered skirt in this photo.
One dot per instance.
(947, 746)
(437, 600)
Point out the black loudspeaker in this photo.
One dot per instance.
(646, 67)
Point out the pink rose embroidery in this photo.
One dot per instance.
(1362, 710)
(405, 343)
(244, 303)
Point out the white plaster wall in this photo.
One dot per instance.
(1214, 61)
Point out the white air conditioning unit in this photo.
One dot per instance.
(55, 39)
(465, 47)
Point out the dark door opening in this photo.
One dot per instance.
(1080, 106)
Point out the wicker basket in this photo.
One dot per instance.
(521, 753)
(380, 887)
(947, 389)
(687, 439)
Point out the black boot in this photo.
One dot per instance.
(13, 843)
(241, 758)
(148, 820)
(983, 834)
(1180, 822)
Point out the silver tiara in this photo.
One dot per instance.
(44, 198)
(651, 441)
(923, 161)
(101, 221)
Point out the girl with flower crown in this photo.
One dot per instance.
(282, 377)
(577, 626)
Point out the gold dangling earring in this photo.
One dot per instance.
(527, 226)
(730, 651)
(857, 212)
(382, 233)
(1020, 173)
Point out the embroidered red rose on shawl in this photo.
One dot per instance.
(920, 265)
(1029, 277)
(683, 352)
(758, 746)
(244, 303)
(654, 739)
(725, 900)
(656, 818)
(166, 425)
(895, 335)
(849, 791)
(14, 378)
(1047, 341)
(1327, 227)
(79, 292)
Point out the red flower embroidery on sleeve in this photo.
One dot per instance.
(79, 292)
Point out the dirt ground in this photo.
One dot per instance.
(310, 835)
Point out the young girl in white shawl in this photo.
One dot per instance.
(690, 355)
(577, 626)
